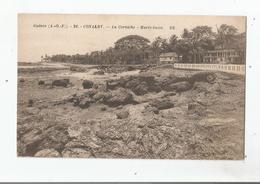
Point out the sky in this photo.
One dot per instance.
(36, 37)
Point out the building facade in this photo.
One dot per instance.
(169, 58)
(224, 56)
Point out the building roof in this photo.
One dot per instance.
(168, 54)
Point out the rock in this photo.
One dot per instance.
(132, 83)
(155, 87)
(75, 100)
(22, 80)
(87, 84)
(166, 81)
(31, 141)
(47, 153)
(170, 94)
(122, 114)
(204, 99)
(120, 96)
(77, 69)
(130, 68)
(193, 106)
(141, 89)
(203, 76)
(147, 78)
(152, 109)
(47, 137)
(103, 108)
(75, 144)
(179, 86)
(75, 131)
(196, 108)
(30, 103)
(102, 96)
(41, 82)
(85, 102)
(95, 86)
(61, 82)
(162, 104)
(142, 84)
(201, 87)
(99, 72)
(54, 137)
(102, 87)
(117, 83)
(76, 153)
(90, 92)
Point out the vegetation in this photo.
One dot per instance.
(135, 49)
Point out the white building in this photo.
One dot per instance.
(227, 56)
(168, 58)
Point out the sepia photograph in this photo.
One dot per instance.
(131, 86)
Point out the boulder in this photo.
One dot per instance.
(142, 84)
(47, 137)
(132, 83)
(47, 153)
(162, 104)
(54, 137)
(203, 76)
(99, 72)
(119, 97)
(113, 84)
(87, 84)
(141, 89)
(61, 82)
(85, 102)
(155, 87)
(166, 81)
(31, 141)
(152, 109)
(90, 92)
(41, 82)
(122, 114)
(101, 96)
(179, 86)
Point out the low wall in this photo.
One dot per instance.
(230, 68)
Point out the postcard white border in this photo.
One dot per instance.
(43, 169)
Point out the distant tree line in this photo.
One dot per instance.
(135, 49)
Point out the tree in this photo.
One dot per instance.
(132, 41)
(225, 35)
(159, 45)
(132, 49)
(173, 43)
(183, 48)
(198, 40)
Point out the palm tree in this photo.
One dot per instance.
(225, 35)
